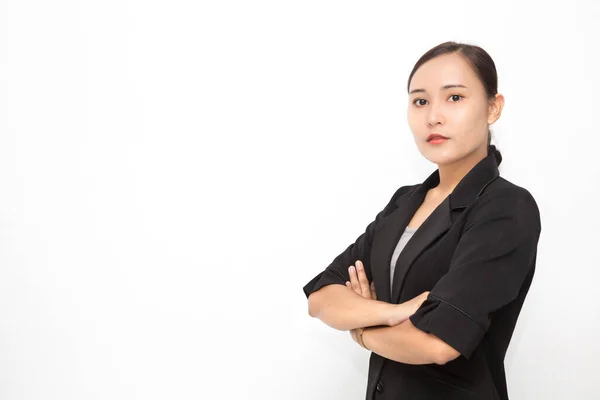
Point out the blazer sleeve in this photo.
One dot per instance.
(495, 254)
(337, 271)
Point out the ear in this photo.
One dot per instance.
(495, 108)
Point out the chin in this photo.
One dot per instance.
(439, 156)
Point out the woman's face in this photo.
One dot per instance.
(462, 114)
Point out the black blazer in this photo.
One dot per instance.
(476, 255)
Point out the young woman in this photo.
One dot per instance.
(435, 284)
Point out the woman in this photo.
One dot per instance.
(434, 286)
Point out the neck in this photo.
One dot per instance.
(452, 174)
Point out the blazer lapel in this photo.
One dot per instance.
(389, 232)
(436, 225)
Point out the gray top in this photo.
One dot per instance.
(408, 232)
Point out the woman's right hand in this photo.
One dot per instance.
(404, 310)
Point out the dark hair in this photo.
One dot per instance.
(482, 64)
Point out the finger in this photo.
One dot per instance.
(354, 280)
(424, 296)
(363, 280)
(348, 285)
(373, 294)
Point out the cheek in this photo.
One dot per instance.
(464, 116)
(467, 122)
(417, 120)
(468, 138)
(477, 116)
(411, 117)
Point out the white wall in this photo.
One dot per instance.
(172, 173)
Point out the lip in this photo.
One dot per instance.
(435, 136)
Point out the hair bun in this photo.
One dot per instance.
(492, 149)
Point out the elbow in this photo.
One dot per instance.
(311, 307)
(317, 308)
(320, 307)
(316, 301)
(313, 310)
(444, 354)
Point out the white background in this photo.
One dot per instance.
(173, 172)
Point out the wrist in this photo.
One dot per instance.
(398, 313)
(390, 313)
(361, 339)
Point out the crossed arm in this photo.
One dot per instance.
(381, 327)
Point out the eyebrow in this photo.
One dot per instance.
(443, 88)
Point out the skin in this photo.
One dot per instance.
(463, 115)
(403, 342)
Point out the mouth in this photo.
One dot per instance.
(434, 138)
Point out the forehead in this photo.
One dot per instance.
(443, 70)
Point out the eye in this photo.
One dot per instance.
(452, 96)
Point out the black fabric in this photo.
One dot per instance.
(493, 257)
(476, 254)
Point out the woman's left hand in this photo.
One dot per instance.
(360, 284)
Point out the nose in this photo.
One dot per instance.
(434, 116)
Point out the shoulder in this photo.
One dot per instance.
(502, 191)
(505, 199)
(404, 189)
(399, 192)
(393, 201)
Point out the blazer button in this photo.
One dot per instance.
(379, 386)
